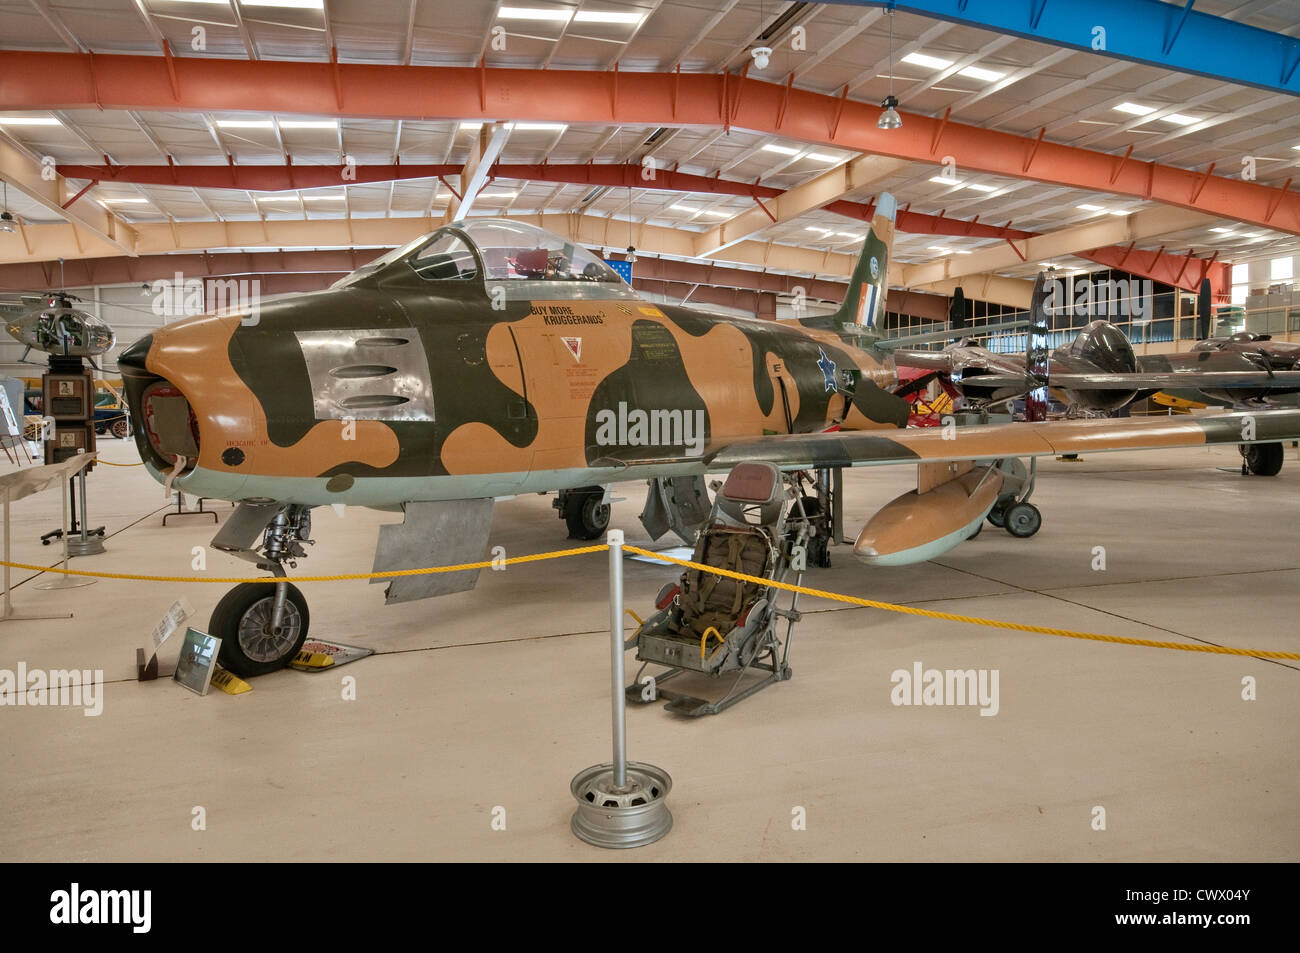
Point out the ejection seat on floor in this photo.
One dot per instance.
(716, 625)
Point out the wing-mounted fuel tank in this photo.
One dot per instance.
(948, 505)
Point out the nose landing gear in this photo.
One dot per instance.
(262, 625)
(251, 641)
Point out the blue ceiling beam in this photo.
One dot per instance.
(1172, 36)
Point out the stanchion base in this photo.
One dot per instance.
(33, 616)
(66, 582)
(632, 816)
(89, 546)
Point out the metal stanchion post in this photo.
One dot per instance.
(62, 580)
(86, 544)
(624, 803)
(616, 657)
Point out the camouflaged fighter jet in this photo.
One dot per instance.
(490, 358)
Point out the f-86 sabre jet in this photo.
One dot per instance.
(490, 358)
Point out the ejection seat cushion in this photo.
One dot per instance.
(531, 262)
(752, 483)
(720, 601)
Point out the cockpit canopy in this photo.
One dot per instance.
(496, 250)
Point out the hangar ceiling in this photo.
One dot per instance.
(1106, 161)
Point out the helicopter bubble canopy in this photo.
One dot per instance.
(62, 330)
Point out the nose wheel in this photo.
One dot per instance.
(251, 644)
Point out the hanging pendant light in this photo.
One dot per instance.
(890, 119)
(7, 223)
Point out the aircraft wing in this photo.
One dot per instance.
(948, 334)
(1146, 380)
(925, 360)
(929, 444)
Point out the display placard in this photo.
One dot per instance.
(198, 660)
(178, 613)
(7, 418)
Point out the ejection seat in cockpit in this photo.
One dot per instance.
(714, 625)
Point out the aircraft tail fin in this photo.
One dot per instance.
(863, 310)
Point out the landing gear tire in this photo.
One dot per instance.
(242, 620)
(121, 429)
(998, 515)
(1023, 520)
(1262, 459)
(584, 514)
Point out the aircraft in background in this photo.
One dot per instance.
(491, 358)
(1098, 371)
(1261, 348)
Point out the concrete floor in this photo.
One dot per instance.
(497, 697)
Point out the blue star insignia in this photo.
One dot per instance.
(827, 367)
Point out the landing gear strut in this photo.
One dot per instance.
(262, 625)
(1013, 511)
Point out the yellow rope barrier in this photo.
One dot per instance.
(788, 587)
(969, 619)
(391, 574)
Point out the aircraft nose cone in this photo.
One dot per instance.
(133, 358)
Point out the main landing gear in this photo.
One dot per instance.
(1013, 511)
(262, 625)
(585, 511)
(1261, 459)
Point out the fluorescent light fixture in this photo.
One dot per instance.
(1225, 231)
(684, 208)
(979, 72)
(962, 251)
(1251, 235)
(469, 126)
(288, 4)
(277, 198)
(939, 179)
(921, 59)
(855, 237)
(781, 150)
(534, 13)
(718, 212)
(497, 195)
(814, 228)
(48, 121)
(1178, 119)
(1135, 109)
(940, 249)
(323, 198)
(1091, 208)
(980, 187)
(821, 157)
(123, 200)
(309, 124)
(243, 124)
(1121, 211)
(607, 16)
(537, 126)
